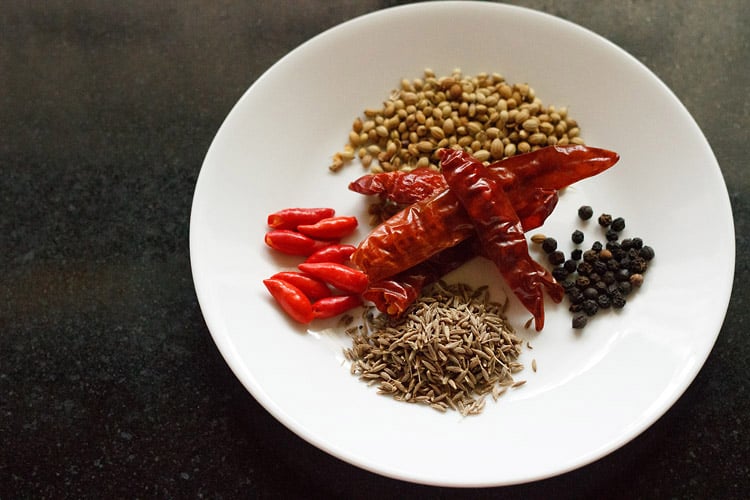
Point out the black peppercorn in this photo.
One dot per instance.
(585, 212)
(594, 277)
(570, 266)
(608, 277)
(590, 307)
(600, 287)
(626, 244)
(560, 273)
(574, 308)
(624, 287)
(579, 321)
(603, 302)
(646, 252)
(597, 246)
(600, 267)
(618, 301)
(582, 282)
(613, 289)
(611, 235)
(576, 254)
(577, 237)
(637, 243)
(549, 245)
(636, 279)
(605, 220)
(618, 224)
(613, 246)
(556, 258)
(590, 293)
(590, 256)
(622, 275)
(584, 268)
(638, 265)
(575, 296)
(613, 265)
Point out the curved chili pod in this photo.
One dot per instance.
(291, 299)
(290, 218)
(337, 275)
(332, 253)
(499, 231)
(334, 305)
(313, 288)
(330, 228)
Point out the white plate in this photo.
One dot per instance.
(594, 391)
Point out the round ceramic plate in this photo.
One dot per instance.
(594, 390)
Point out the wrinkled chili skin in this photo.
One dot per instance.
(394, 295)
(394, 246)
(499, 230)
(400, 186)
(412, 236)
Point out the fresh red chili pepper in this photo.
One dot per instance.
(291, 299)
(330, 228)
(337, 275)
(334, 305)
(394, 295)
(332, 253)
(290, 218)
(499, 231)
(313, 288)
(293, 243)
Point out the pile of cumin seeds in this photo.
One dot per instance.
(449, 350)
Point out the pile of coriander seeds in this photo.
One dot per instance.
(603, 276)
(484, 115)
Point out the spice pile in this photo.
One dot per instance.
(604, 275)
(484, 115)
(451, 349)
(325, 286)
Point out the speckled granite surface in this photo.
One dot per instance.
(110, 384)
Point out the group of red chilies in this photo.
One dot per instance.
(448, 217)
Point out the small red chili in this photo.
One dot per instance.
(291, 299)
(313, 288)
(330, 228)
(337, 275)
(332, 253)
(334, 305)
(293, 243)
(290, 218)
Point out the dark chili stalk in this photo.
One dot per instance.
(499, 230)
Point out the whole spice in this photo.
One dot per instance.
(291, 299)
(290, 218)
(330, 228)
(484, 115)
(293, 243)
(577, 237)
(451, 349)
(499, 231)
(337, 275)
(585, 212)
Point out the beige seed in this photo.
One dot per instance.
(425, 147)
(482, 155)
(497, 148)
(538, 238)
(538, 139)
(437, 133)
(531, 125)
(510, 149)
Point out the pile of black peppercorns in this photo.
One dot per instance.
(603, 276)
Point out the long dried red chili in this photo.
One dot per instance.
(394, 295)
(499, 231)
(439, 221)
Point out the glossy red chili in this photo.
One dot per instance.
(337, 275)
(333, 253)
(313, 288)
(334, 305)
(293, 243)
(330, 228)
(290, 218)
(291, 299)
(499, 231)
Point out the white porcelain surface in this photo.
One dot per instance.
(593, 391)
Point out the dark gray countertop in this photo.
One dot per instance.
(110, 383)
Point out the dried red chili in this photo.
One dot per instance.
(499, 230)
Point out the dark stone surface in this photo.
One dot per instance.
(110, 384)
